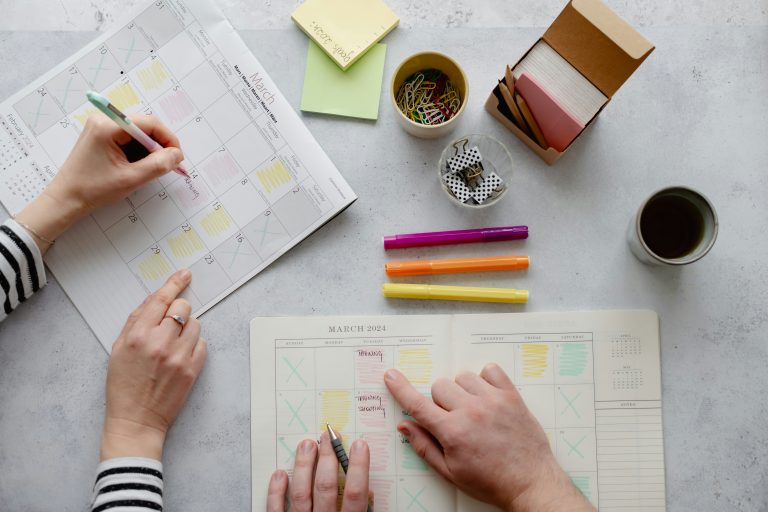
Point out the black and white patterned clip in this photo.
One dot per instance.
(463, 160)
(458, 187)
(490, 183)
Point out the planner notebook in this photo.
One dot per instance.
(592, 379)
(345, 29)
(563, 81)
(259, 184)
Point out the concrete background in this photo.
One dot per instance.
(694, 114)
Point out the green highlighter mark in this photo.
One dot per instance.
(573, 359)
(582, 484)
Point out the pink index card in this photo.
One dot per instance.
(557, 124)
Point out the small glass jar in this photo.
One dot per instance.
(494, 158)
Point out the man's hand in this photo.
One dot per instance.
(479, 435)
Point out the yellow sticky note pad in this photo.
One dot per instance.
(345, 29)
(352, 93)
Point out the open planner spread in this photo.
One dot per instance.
(592, 379)
(259, 181)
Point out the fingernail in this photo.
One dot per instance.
(178, 156)
(185, 274)
(356, 447)
(390, 375)
(306, 446)
(278, 476)
(404, 430)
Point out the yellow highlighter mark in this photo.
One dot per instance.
(83, 116)
(216, 222)
(154, 76)
(123, 96)
(416, 364)
(155, 267)
(534, 359)
(274, 176)
(334, 408)
(186, 244)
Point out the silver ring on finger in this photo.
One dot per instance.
(178, 319)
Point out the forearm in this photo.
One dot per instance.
(553, 491)
(125, 438)
(22, 271)
(47, 217)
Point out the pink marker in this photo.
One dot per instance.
(462, 236)
(129, 126)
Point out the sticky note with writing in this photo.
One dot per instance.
(345, 29)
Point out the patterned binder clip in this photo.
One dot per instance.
(463, 160)
(458, 187)
(486, 188)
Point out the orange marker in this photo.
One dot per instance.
(454, 266)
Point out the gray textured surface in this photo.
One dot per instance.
(275, 14)
(694, 114)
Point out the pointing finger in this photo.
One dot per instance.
(424, 410)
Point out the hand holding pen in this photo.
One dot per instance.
(98, 173)
(130, 127)
(319, 493)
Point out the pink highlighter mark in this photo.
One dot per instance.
(370, 366)
(372, 408)
(188, 194)
(220, 169)
(177, 106)
(382, 493)
(378, 444)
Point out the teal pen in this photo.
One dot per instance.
(124, 122)
(341, 454)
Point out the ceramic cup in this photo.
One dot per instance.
(419, 62)
(674, 226)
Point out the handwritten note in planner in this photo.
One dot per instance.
(259, 183)
(592, 380)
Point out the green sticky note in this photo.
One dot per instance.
(353, 93)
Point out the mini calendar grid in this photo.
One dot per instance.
(258, 184)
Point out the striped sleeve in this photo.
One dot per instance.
(22, 272)
(128, 484)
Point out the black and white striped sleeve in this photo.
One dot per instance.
(128, 484)
(22, 272)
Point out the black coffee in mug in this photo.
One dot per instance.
(675, 226)
(672, 226)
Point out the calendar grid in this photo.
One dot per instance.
(250, 195)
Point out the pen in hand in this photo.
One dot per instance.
(124, 122)
(341, 453)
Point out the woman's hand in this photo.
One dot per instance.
(153, 366)
(315, 485)
(98, 173)
(480, 436)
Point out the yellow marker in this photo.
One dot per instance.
(470, 293)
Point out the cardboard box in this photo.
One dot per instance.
(604, 48)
